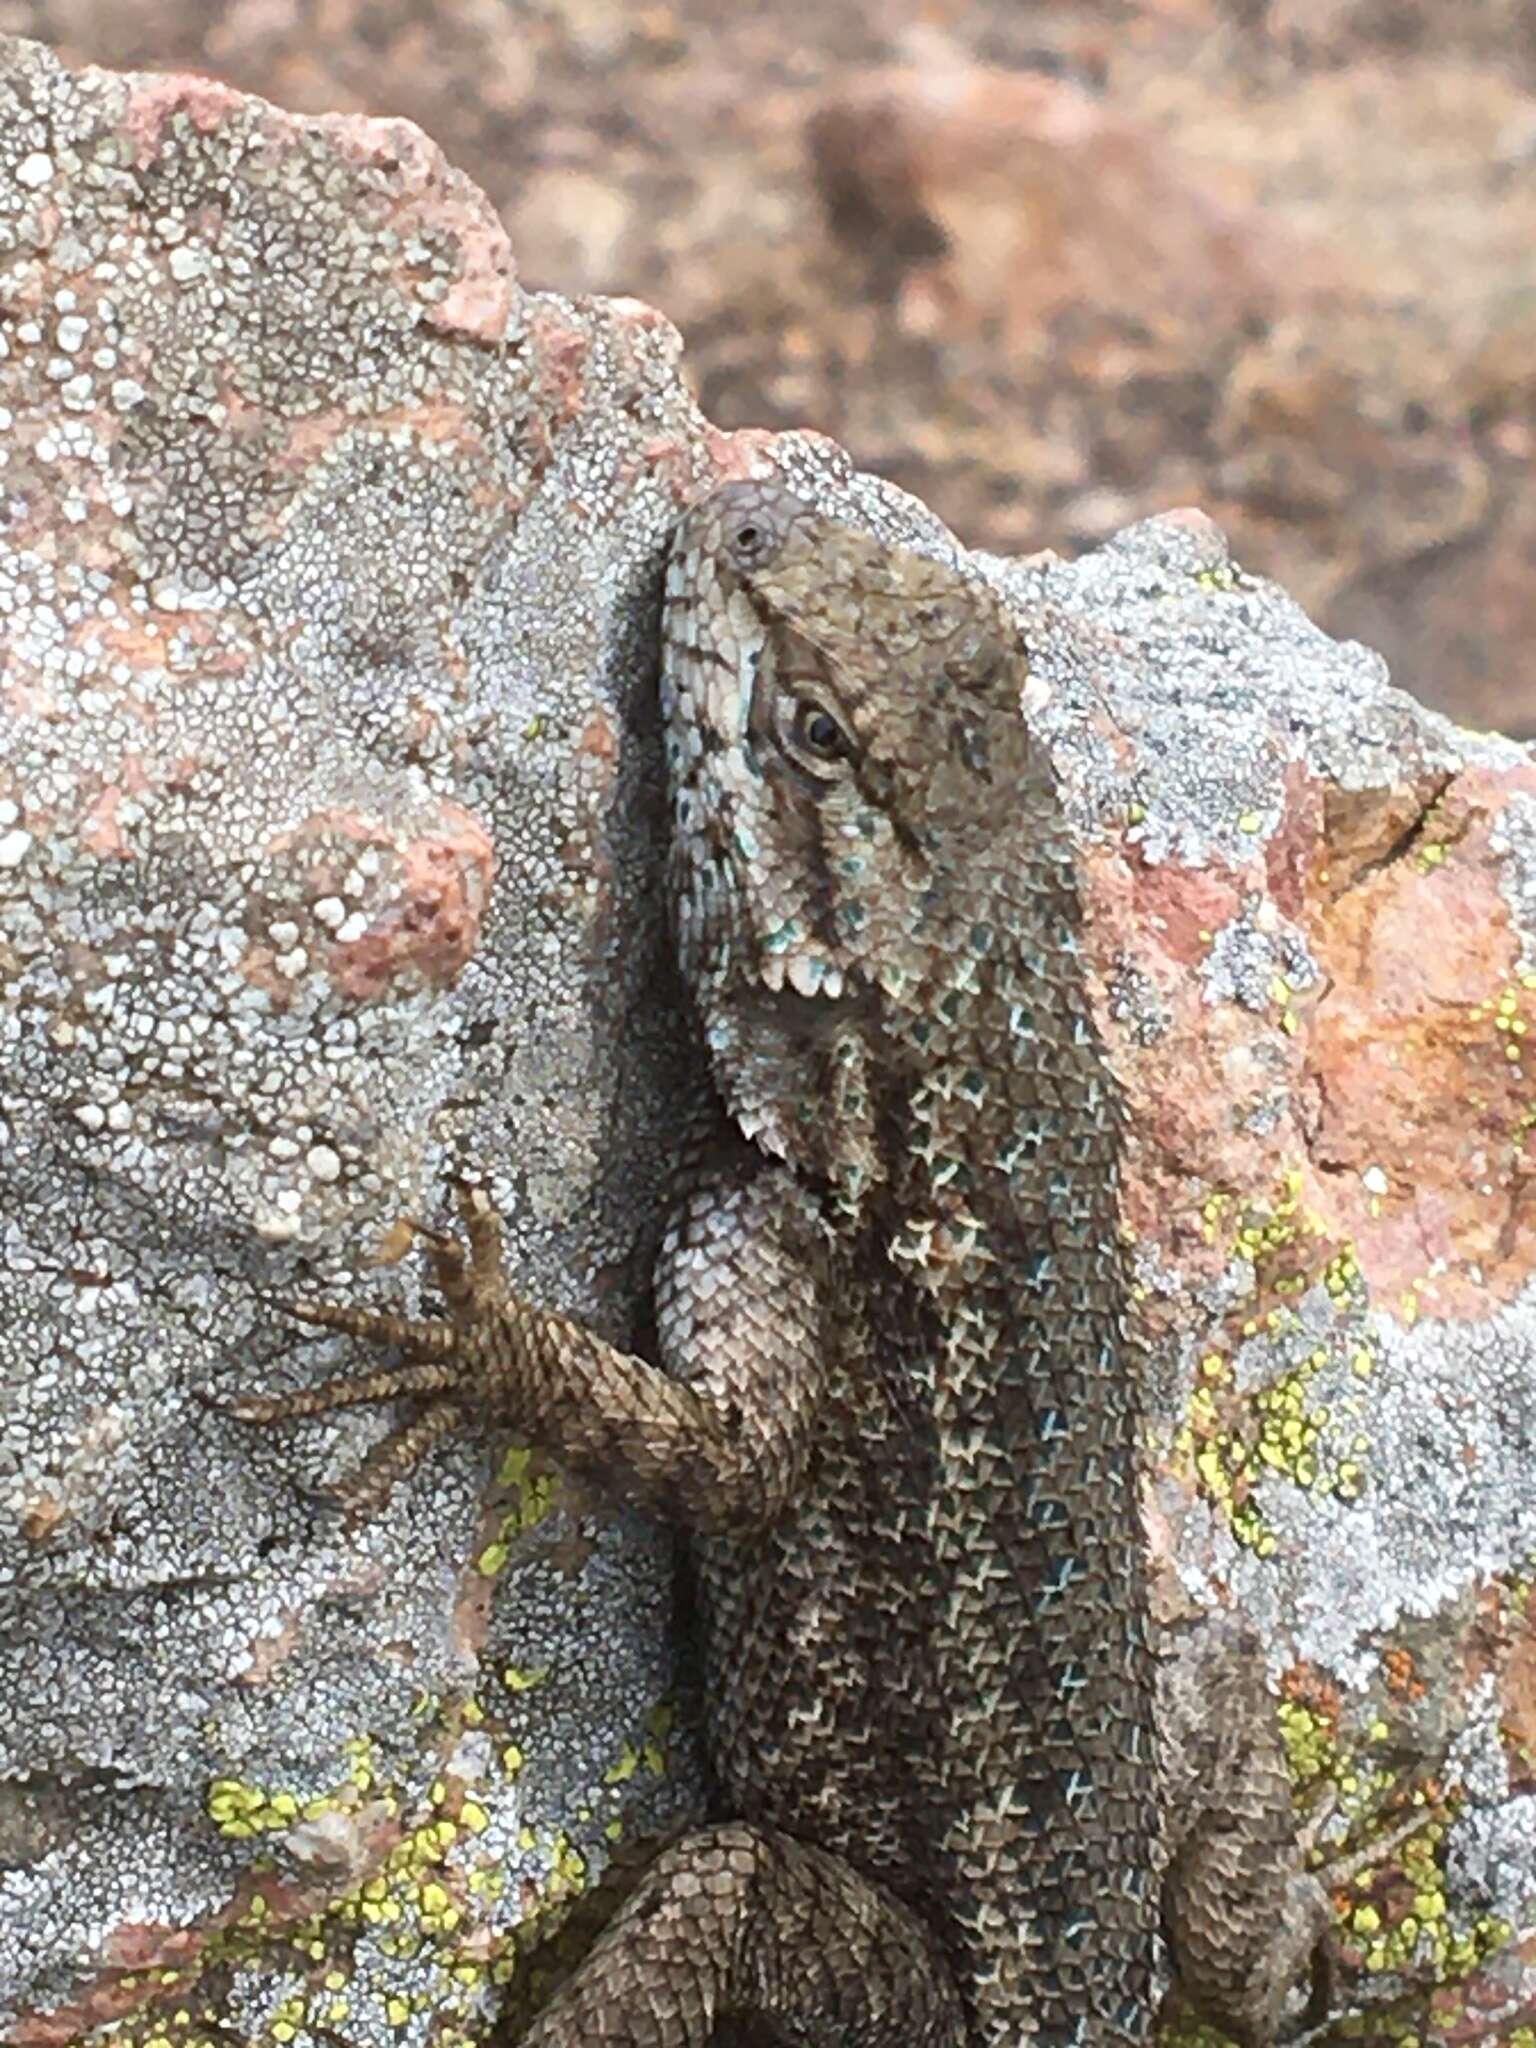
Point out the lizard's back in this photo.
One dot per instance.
(933, 1663)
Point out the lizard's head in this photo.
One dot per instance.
(853, 787)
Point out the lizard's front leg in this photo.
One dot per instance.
(685, 1445)
(735, 1924)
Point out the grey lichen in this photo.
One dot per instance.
(1253, 953)
(323, 778)
(1440, 1427)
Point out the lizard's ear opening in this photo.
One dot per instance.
(753, 531)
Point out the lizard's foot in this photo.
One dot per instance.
(441, 1353)
(474, 1289)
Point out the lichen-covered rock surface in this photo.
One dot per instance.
(1313, 908)
(329, 810)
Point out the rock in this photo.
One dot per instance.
(1000, 200)
(328, 776)
(329, 812)
(1313, 906)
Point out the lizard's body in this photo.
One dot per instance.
(934, 1662)
(897, 1417)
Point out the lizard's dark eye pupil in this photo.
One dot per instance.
(819, 732)
(748, 539)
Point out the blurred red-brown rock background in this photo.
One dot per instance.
(1049, 266)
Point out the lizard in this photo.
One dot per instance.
(897, 1411)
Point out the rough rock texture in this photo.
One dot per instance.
(329, 575)
(328, 818)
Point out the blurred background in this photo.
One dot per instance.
(1050, 266)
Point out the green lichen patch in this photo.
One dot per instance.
(1243, 1423)
(422, 1941)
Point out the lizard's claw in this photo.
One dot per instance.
(439, 1350)
(435, 1349)
(468, 1277)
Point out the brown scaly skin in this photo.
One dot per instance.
(898, 1415)
(1248, 1927)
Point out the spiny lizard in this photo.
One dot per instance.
(898, 1416)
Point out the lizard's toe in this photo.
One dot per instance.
(422, 1335)
(482, 1226)
(418, 1378)
(365, 1491)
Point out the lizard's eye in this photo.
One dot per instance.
(815, 735)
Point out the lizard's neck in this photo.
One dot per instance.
(1005, 1110)
(960, 1065)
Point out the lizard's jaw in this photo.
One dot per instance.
(792, 1070)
